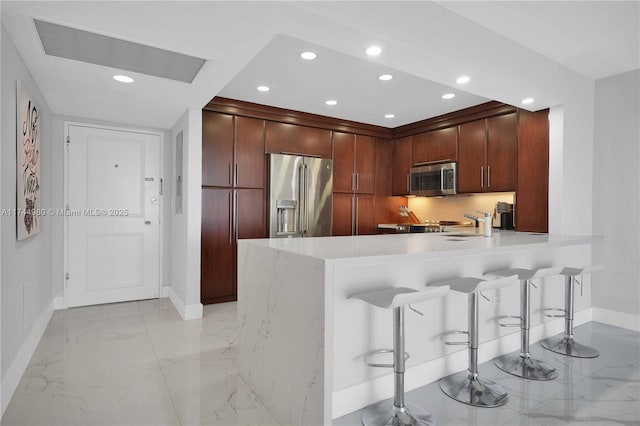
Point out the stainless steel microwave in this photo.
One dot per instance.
(431, 179)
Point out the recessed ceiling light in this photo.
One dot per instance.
(331, 102)
(374, 50)
(463, 79)
(448, 96)
(263, 88)
(123, 78)
(527, 101)
(308, 55)
(385, 77)
(389, 116)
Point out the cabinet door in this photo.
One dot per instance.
(250, 214)
(217, 269)
(501, 153)
(442, 145)
(343, 210)
(302, 140)
(364, 214)
(401, 165)
(217, 149)
(343, 162)
(532, 193)
(472, 156)
(365, 164)
(249, 153)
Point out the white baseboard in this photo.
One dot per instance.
(618, 319)
(20, 363)
(354, 398)
(58, 303)
(187, 312)
(164, 291)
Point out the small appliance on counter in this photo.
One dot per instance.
(504, 216)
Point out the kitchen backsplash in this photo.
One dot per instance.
(454, 207)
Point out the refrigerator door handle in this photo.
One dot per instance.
(301, 198)
(306, 198)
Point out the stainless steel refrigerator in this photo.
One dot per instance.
(300, 193)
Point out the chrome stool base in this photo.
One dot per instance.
(384, 413)
(569, 347)
(477, 392)
(526, 367)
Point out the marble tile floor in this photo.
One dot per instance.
(600, 391)
(138, 363)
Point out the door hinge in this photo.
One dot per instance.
(66, 276)
(68, 141)
(161, 186)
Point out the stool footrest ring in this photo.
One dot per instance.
(450, 343)
(507, 324)
(562, 312)
(368, 356)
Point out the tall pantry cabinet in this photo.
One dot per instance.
(354, 160)
(233, 201)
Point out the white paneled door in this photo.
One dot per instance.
(113, 213)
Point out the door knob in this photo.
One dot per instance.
(147, 222)
(154, 200)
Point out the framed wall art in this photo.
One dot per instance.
(28, 164)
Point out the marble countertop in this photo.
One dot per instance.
(432, 245)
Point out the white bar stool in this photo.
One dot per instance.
(566, 345)
(399, 414)
(466, 386)
(521, 364)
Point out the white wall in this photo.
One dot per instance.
(616, 198)
(26, 265)
(185, 236)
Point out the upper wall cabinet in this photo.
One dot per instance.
(401, 164)
(249, 153)
(232, 151)
(300, 140)
(487, 155)
(354, 158)
(217, 149)
(435, 146)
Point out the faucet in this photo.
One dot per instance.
(487, 219)
(472, 217)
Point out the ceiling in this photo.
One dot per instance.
(511, 50)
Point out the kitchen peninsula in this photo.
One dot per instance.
(301, 340)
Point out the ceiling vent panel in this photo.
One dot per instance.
(71, 43)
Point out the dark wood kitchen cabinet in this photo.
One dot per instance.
(296, 139)
(487, 155)
(233, 175)
(227, 215)
(249, 153)
(217, 149)
(532, 194)
(435, 146)
(402, 163)
(354, 158)
(353, 214)
(232, 151)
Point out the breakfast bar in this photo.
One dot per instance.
(302, 340)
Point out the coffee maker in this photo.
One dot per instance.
(504, 216)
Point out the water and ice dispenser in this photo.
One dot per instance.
(286, 217)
